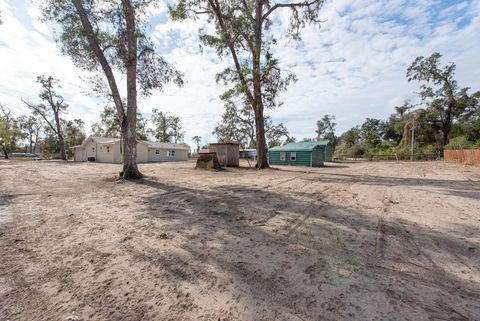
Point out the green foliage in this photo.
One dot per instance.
(242, 29)
(74, 134)
(107, 19)
(462, 142)
(166, 128)
(238, 125)
(277, 135)
(51, 108)
(372, 132)
(10, 134)
(447, 113)
(326, 129)
(445, 101)
(109, 125)
(197, 139)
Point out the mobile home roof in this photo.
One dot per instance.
(301, 146)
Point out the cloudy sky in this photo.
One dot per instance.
(352, 67)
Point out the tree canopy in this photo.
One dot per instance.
(51, 108)
(445, 101)
(166, 128)
(105, 37)
(242, 31)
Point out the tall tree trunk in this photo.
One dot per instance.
(31, 142)
(130, 167)
(5, 154)
(262, 161)
(447, 124)
(61, 141)
(445, 133)
(36, 140)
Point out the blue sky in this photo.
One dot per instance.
(352, 67)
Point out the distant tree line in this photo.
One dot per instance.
(46, 131)
(445, 117)
(161, 126)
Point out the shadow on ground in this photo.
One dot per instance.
(305, 257)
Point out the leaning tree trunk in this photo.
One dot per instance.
(130, 167)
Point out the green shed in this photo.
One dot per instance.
(299, 154)
(328, 149)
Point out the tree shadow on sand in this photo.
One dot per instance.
(274, 256)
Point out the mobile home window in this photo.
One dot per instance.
(283, 156)
(171, 153)
(157, 151)
(293, 156)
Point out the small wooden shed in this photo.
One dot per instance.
(228, 154)
(310, 154)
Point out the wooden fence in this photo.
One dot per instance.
(464, 156)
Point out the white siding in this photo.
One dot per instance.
(142, 153)
(79, 155)
(117, 155)
(104, 153)
(90, 150)
(163, 155)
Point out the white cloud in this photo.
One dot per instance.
(27, 51)
(353, 66)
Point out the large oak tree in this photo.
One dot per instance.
(110, 37)
(446, 102)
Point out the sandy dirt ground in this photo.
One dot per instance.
(350, 241)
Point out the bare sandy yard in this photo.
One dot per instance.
(353, 241)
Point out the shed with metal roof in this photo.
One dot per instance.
(310, 154)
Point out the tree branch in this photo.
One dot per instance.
(42, 114)
(287, 5)
(216, 8)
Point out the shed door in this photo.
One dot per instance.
(91, 152)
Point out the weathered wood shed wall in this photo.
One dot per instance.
(228, 154)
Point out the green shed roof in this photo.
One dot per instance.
(301, 146)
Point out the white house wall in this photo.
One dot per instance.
(162, 156)
(102, 155)
(117, 155)
(79, 155)
(142, 153)
(145, 154)
(90, 150)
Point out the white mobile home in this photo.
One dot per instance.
(161, 152)
(108, 150)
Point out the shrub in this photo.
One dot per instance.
(460, 142)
